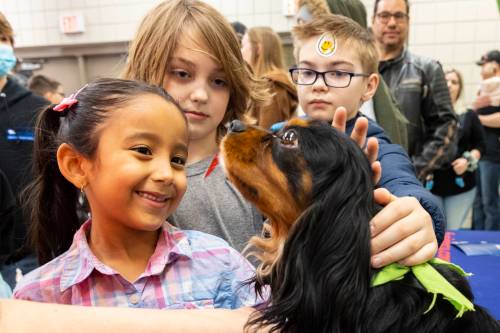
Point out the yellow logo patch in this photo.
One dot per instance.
(326, 45)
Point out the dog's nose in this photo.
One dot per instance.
(237, 126)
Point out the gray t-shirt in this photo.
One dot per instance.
(213, 205)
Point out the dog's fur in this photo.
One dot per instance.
(315, 186)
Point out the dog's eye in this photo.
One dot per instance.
(290, 138)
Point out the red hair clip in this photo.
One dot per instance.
(68, 102)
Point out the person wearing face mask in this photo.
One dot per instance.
(18, 108)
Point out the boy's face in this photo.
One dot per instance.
(320, 101)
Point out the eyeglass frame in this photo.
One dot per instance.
(322, 74)
(399, 17)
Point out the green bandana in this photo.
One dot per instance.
(431, 280)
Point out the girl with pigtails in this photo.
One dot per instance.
(124, 145)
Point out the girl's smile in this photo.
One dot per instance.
(154, 199)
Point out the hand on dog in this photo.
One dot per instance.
(401, 232)
(358, 134)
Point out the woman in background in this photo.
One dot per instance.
(261, 48)
(456, 184)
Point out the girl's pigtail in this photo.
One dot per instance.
(51, 199)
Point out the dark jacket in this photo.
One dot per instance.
(388, 115)
(283, 103)
(420, 89)
(492, 153)
(470, 136)
(398, 175)
(18, 109)
(7, 206)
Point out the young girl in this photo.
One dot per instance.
(261, 49)
(194, 54)
(123, 144)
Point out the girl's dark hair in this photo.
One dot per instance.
(51, 198)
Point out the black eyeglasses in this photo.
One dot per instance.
(334, 79)
(385, 17)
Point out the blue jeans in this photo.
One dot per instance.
(456, 208)
(477, 207)
(490, 181)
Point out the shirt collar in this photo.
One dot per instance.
(386, 63)
(79, 261)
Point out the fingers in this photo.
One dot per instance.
(402, 232)
(383, 197)
(427, 252)
(339, 119)
(360, 131)
(391, 225)
(414, 249)
(371, 150)
(377, 171)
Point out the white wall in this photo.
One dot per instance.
(36, 22)
(456, 32)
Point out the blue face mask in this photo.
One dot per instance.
(7, 59)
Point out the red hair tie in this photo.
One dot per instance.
(68, 102)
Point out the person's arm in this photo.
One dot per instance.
(440, 123)
(26, 317)
(491, 120)
(477, 134)
(411, 225)
(403, 231)
(480, 102)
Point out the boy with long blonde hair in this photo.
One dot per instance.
(191, 50)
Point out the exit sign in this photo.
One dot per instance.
(290, 7)
(72, 23)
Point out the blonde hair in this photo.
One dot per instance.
(344, 29)
(315, 7)
(158, 36)
(267, 52)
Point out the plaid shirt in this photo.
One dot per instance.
(188, 269)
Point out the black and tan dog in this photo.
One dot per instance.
(315, 186)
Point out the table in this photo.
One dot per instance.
(485, 282)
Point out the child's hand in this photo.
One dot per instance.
(358, 134)
(401, 232)
(459, 165)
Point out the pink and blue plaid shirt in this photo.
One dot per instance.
(188, 269)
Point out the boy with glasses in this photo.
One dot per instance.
(419, 86)
(336, 72)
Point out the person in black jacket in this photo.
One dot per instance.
(455, 183)
(420, 89)
(18, 109)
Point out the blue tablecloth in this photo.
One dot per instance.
(485, 282)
